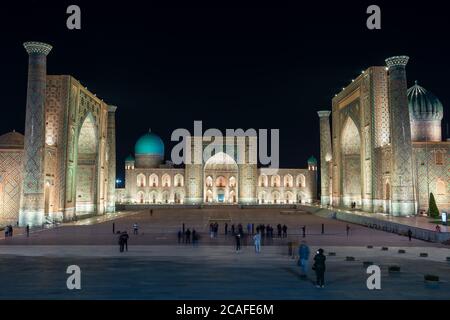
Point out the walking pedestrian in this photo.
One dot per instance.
(319, 268)
(279, 230)
(257, 242)
(409, 234)
(114, 227)
(303, 257)
(121, 243)
(135, 228)
(304, 231)
(232, 229)
(28, 230)
(323, 228)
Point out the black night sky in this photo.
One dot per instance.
(271, 66)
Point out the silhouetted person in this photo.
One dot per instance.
(28, 230)
(279, 230)
(409, 234)
(125, 240)
(135, 228)
(347, 229)
(114, 227)
(232, 229)
(180, 236)
(183, 228)
(194, 237)
(284, 231)
(226, 228)
(323, 228)
(304, 231)
(319, 268)
(188, 236)
(253, 228)
(238, 242)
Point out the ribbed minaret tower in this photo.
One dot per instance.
(400, 132)
(325, 157)
(111, 202)
(32, 202)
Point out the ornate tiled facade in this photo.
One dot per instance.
(378, 160)
(61, 170)
(221, 179)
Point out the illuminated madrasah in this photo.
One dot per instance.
(64, 166)
(385, 150)
(220, 179)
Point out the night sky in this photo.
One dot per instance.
(230, 66)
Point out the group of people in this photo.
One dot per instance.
(8, 231)
(186, 236)
(353, 205)
(213, 229)
(123, 241)
(318, 265)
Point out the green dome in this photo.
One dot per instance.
(312, 160)
(423, 105)
(149, 144)
(129, 158)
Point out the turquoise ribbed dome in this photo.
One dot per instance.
(312, 160)
(423, 105)
(129, 158)
(149, 144)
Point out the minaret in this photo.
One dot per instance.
(111, 202)
(32, 203)
(325, 157)
(400, 132)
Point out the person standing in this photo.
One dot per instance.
(125, 240)
(323, 228)
(194, 237)
(188, 236)
(135, 228)
(409, 234)
(180, 236)
(253, 228)
(114, 227)
(249, 228)
(226, 228)
(238, 242)
(279, 230)
(348, 230)
(257, 241)
(304, 231)
(28, 230)
(303, 257)
(121, 243)
(319, 268)
(284, 231)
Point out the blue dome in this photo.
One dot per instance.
(149, 144)
(423, 105)
(129, 158)
(312, 160)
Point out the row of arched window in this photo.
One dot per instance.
(288, 181)
(155, 181)
(220, 182)
(276, 197)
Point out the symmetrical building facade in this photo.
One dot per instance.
(385, 150)
(64, 165)
(220, 179)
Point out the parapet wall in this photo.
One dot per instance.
(380, 224)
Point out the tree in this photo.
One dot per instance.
(433, 210)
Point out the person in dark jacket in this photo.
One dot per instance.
(123, 241)
(319, 268)
(238, 242)
(409, 234)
